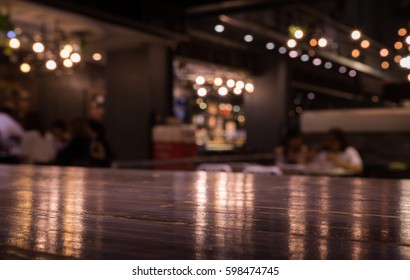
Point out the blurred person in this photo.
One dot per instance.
(100, 150)
(292, 150)
(96, 111)
(77, 150)
(61, 135)
(202, 135)
(11, 133)
(337, 152)
(37, 145)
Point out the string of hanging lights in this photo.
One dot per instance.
(43, 49)
(323, 41)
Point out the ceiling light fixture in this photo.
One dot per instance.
(322, 42)
(356, 34)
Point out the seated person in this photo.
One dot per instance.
(292, 150)
(11, 133)
(336, 152)
(37, 146)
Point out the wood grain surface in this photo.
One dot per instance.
(76, 213)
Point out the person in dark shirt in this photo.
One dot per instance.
(100, 150)
(292, 150)
(11, 133)
(87, 147)
(77, 150)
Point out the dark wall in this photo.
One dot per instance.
(137, 91)
(160, 71)
(66, 96)
(265, 110)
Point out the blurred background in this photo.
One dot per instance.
(174, 84)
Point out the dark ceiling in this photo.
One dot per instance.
(174, 15)
(183, 20)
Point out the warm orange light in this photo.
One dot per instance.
(402, 32)
(398, 45)
(408, 77)
(313, 42)
(218, 81)
(384, 52)
(355, 53)
(365, 44)
(25, 67)
(385, 65)
(397, 58)
(97, 56)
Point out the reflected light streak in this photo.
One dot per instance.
(385, 212)
(404, 216)
(49, 203)
(98, 226)
(229, 223)
(200, 214)
(237, 205)
(297, 218)
(358, 231)
(324, 224)
(249, 206)
(249, 199)
(73, 223)
(384, 229)
(24, 201)
(241, 202)
(53, 207)
(221, 202)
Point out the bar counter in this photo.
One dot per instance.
(78, 213)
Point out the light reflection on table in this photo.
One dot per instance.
(56, 213)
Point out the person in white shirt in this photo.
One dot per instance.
(338, 153)
(11, 133)
(37, 145)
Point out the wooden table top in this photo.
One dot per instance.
(75, 213)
